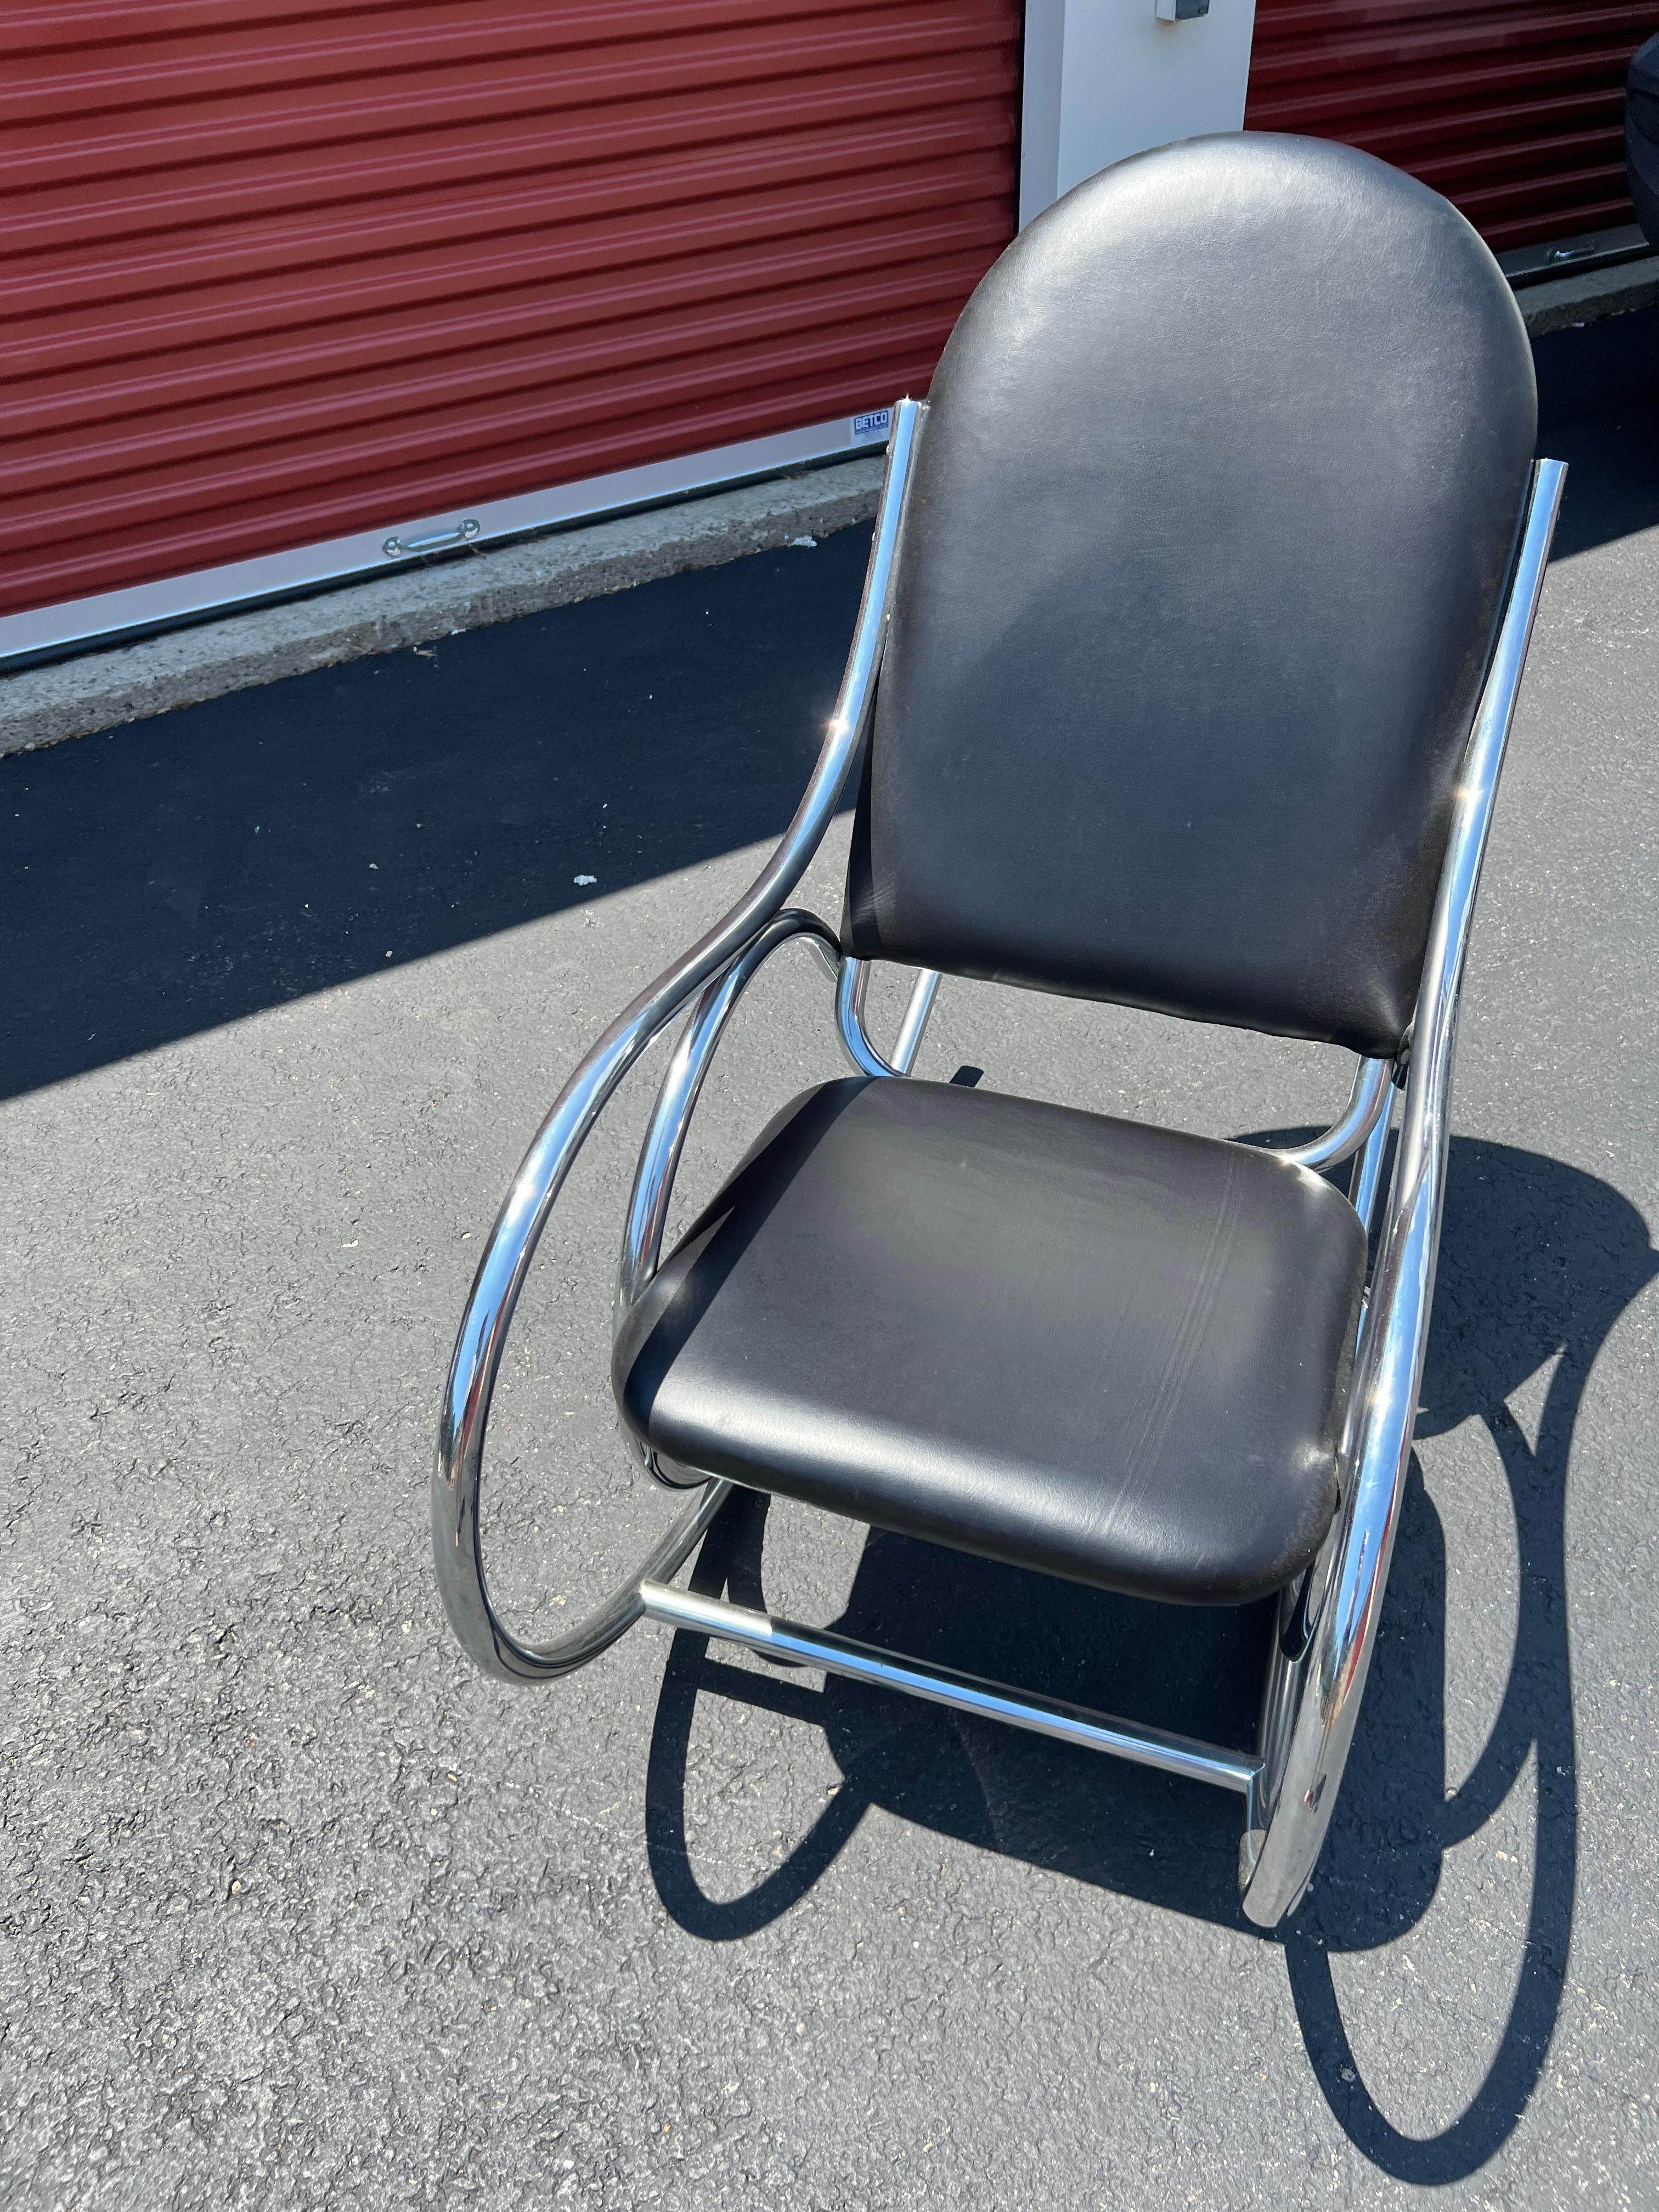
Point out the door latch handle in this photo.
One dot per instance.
(434, 541)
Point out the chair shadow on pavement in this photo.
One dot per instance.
(1537, 1259)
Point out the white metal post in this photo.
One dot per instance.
(1106, 78)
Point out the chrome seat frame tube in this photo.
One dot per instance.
(851, 991)
(1316, 1678)
(1364, 1109)
(458, 1471)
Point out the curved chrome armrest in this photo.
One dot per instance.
(1359, 1117)
(512, 1243)
(1315, 1686)
(681, 1084)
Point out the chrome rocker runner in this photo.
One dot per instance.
(1194, 625)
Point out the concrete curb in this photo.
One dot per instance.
(1564, 302)
(127, 684)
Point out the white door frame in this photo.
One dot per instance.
(1106, 78)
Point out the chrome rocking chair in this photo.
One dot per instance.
(1195, 616)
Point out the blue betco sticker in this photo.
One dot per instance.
(866, 428)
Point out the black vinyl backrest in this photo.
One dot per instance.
(1212, 518)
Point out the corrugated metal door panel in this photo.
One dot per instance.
(322, 270)
(307, 431)
(1513, 108)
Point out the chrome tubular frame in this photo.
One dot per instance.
(850, 992)
(1327, 1624)
(1364, 1110)
(457, 1473)
(1317, 1677)
(1366, 1187)
(671, 1118)
(942, 1686)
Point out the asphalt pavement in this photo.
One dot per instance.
(299, 1910)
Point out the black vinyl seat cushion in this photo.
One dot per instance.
(1108, 1352)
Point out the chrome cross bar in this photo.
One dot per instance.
(942, 1686)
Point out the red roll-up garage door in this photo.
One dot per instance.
(1513, 108)
(293, 268)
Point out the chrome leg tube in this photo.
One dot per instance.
(913, 1027)
(1288, 1657)
(458, 1465)
(616, 1614)
(1313, 1700)
(1366, 1188)
(1317, 1671)
(851, 990)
